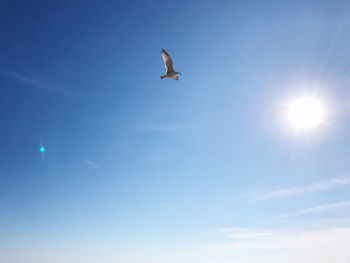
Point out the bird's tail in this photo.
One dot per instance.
(162, 77)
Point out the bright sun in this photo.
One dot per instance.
(305, 114)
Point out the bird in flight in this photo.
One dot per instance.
(168, 63)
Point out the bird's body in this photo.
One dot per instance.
(168, 63)
(170, 76)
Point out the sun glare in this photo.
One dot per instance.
(305, 114)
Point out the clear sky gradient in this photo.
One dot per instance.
(200, 170)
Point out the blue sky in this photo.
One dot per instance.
(204, 169)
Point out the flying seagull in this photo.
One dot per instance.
(170, 72)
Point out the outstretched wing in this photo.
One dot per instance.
(168, 63)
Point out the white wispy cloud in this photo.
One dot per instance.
(242, 233)
(167, 127)
(322, 246)
(91, 164)
(36, 84)
(312, 188)
(320, 208)
(161, 126)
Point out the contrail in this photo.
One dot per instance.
(91, 163)
(36, 84)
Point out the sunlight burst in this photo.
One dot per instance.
(305, 114)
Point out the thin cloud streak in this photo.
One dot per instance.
(91, 164)
(312, 188)
(320, 208)
(36, 84)
(165, 127)
(242, 233)
(325, 245)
